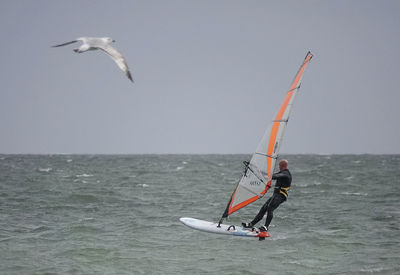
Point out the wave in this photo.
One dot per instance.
(354, 194)
(84, 176)
(143, 185)
(46, 170)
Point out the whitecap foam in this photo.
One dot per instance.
(79, 180)
(143, 185)
(316, 183)
(302, 185)
(45, 169)
(84, 176)
(354, 194)
(372, 270)
(279, 237)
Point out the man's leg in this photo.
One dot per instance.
(276, 200)
(261, 213)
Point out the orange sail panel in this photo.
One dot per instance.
(254, 182)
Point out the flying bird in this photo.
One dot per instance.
(101, 43)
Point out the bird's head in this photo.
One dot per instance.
(108, 39)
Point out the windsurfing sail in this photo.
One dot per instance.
(256, 181)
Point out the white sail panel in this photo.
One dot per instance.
(259, 157)
(252, 184)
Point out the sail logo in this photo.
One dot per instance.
(254, 182)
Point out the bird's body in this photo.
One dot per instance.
(101, 43)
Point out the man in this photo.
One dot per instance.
(283, 180)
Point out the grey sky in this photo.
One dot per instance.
(209, 76)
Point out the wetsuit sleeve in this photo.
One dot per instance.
(279, 175)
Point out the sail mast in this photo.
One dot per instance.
(251, 187)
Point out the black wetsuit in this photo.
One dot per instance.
(283, 180)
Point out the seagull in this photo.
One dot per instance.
(101, 43)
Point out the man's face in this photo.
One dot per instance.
(282, 165)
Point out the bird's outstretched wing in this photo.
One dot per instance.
(118, 58)
(64, 44)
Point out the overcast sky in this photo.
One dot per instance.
(209, 76)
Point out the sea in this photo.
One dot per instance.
(119, 214)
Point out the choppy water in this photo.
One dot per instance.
(99, 214)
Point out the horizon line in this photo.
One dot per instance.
(183, 154)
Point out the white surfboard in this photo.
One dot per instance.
(226, 229)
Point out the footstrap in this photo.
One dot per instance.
(231, 226)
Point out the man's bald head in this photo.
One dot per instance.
(283, 164)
